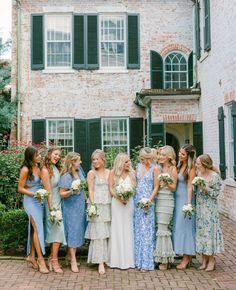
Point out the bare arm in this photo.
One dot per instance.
(111, 183)
(65, 192)
(46, 184)
(91, 180)
(156, 172)
(191, 176)
(22, 181)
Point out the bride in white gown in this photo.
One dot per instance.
(121, 244)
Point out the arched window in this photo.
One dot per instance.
(175, 71)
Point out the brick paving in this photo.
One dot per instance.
(15, 274)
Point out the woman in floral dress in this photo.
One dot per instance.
(209, 239)
(144, 221)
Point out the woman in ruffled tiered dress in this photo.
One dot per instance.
(98, 228)
(121, 246)
(164, 253)
(209, 238)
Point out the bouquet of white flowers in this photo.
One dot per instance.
(77, 185)
(199, 181)
(188, 210)
(41, 194)
(124, 191)
(165, 177)
(145, 204)
(55, 215)
(91, 210)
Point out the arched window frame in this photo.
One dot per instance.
(185, 71)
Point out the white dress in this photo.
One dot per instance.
(121, 244)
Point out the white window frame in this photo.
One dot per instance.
(230, 142)
(128, 133)
(164, 68)
(124, 16)
(45, 41)
(60, 119)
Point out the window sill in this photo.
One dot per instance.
(230, 182)
(204, 56)
(58, 71)
(113, 71)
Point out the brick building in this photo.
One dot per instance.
(98, 74)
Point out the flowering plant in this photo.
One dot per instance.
(92, 210)
(188, 210)
(199, 181)
(55, 215)
(124, 190)
(77, 185)
(165, 177)
(41, 194)
(145, 204)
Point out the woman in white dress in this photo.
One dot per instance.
(121, 245)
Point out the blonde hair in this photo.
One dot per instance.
(101, 154)
(207, 162)
(170, 152)
(118, 167)
(148, 153)
(70, 158)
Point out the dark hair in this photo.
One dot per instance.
(30, 151)
(48, 163)
(191, 156)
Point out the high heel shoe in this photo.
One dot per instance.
(42, 268)
(74, 266)
(211, 266)
(55, 266)
(163, 267)
(182, 266)
(32, 262)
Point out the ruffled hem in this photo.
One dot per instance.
(97, 231)
(164, 258)
(164, 249)
(98, 251)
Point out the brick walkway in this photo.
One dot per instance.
(14, 274)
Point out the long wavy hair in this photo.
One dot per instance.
(118, 168)
(170, 153)
(48, 163)
(191, 157)
(70, 158)
(148, 153)
(207, 162)
(30, 151)
(101, 154)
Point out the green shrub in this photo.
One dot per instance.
(13, 230)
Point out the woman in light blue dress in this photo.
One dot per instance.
(29, 183)
(144, 221)
(73, 206)
(54, 231)
(184, 229)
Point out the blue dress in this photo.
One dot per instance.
(184, 229)
(144, 223)
(34, 209)
(73, 212)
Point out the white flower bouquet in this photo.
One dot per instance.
(77, 185)
(165, 177)
(55, 216)
(145, 204)
(41, 194)
(124, 191)
(91, 210)
(199, 181)
(188, 210)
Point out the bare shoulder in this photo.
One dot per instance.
(91, 174)
(24, 170)
(44, 170)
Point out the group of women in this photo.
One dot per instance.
(121, 234)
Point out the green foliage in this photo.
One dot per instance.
(135, 156)
(13, 229)
(111, 155)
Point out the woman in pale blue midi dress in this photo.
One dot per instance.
(184, 229)
(29, 183)
(144, 222)
(73, 206)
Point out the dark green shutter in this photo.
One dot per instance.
(221, 123)
(133, 51)
(156, 70)
(78, 42)
(233, 113)
(136, 132)
(92, 42)
(37, 45)
(80, 141)
(207, 27)
(198, 137)
(190, 70)
(38, 131)
(94, 133)
(197, 30)
(157, 133)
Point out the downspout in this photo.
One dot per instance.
(194, 21)
(18, 95)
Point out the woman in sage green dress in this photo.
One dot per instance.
(164, 253)
(54, 232)
(209, 238)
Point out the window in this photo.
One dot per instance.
(115, 134)
(61, 133)
(207, 26)
(112, 41)
(231, 142)
(58, 41)
(175, 71)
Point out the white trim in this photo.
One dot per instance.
(230, 182)
(58, 71)
(204, 56)
(109, 71)
(109, 8)
(58, 9)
